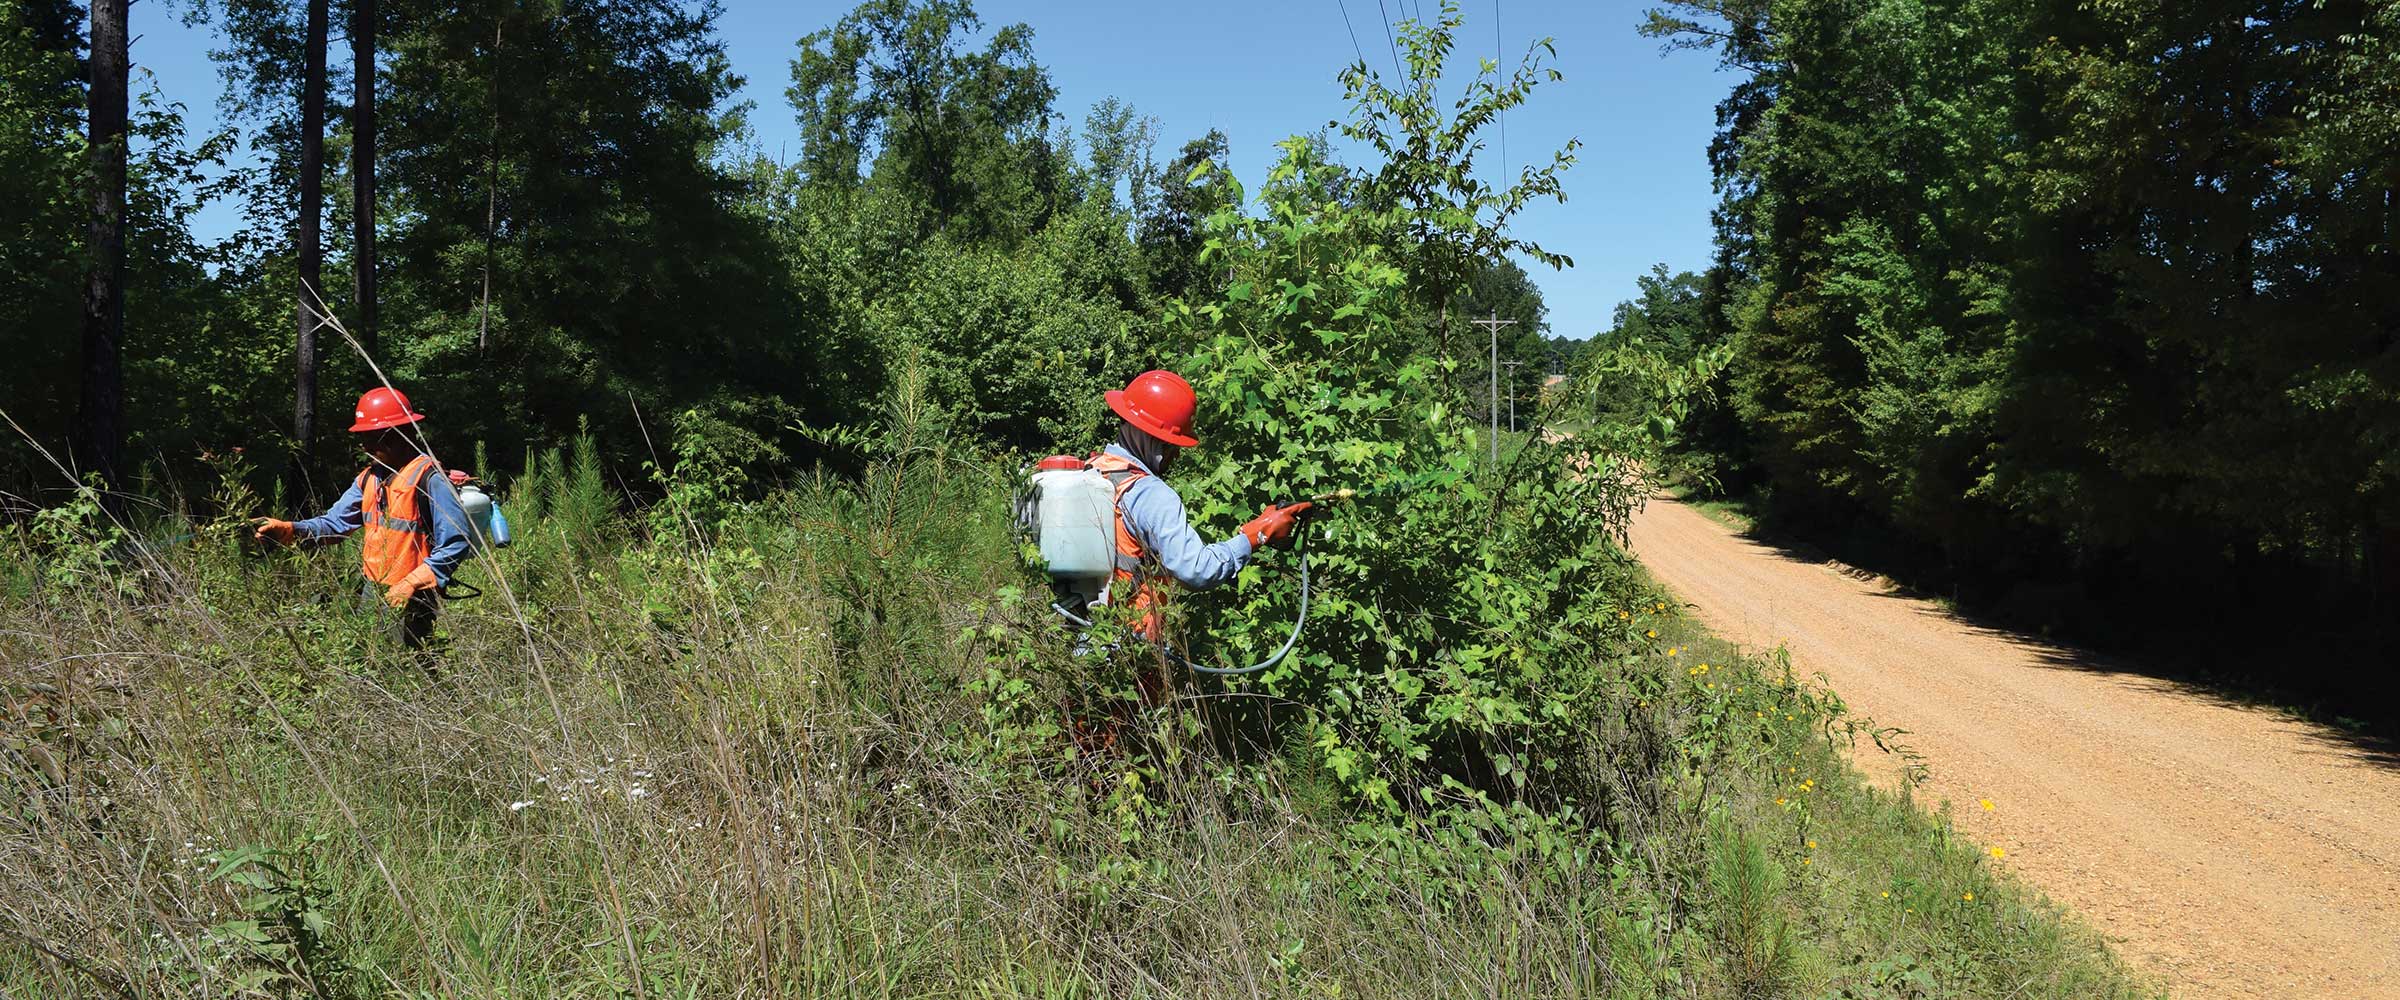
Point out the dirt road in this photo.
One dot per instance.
(2229, 851)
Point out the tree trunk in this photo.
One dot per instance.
(101, 427)
(311, 250)
(362, 167)
(491, 196)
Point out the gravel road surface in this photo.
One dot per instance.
(2229, 851)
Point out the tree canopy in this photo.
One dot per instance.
(2108, 292)
(576, 231)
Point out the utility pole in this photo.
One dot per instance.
(1512, 393)
(1493, 324)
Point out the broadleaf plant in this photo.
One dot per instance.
(1448, 590)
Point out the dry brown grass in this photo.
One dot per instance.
(787, 763)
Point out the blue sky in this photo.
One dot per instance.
(1260, 72)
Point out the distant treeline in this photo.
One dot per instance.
(2073, 299)
(575, 224)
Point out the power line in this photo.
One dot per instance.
(1361, 53)
(1387, 40)
(1499, 42)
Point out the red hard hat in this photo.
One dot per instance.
(1159, 402)
(381, 408)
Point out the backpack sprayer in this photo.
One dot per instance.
(487, 527)
(1070, 511)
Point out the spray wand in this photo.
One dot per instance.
(1319, 502)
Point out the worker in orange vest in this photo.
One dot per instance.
(1153, 533)
(414, 534)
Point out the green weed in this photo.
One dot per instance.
(834, 751)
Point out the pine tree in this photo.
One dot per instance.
(102, 414)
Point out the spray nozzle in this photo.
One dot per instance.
(1318, 503)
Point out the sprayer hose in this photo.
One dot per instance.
(1277, 657)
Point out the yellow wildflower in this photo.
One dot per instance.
(1812, 845)
(1987, 805)
(1969, 897)
(1998, 853)
(1654, 633)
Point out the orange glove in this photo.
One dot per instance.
(420, 578)
(267, 529)
(1273, 525)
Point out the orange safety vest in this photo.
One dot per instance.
(1126, 573)
(397, 536)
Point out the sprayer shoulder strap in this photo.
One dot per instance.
(1121, 476)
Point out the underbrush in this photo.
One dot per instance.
(832, 745)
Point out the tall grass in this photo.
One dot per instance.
(825, 747)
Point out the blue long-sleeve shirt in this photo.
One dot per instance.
(1154, 514)
(449, 521)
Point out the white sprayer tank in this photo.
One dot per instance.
(478, 507)
(1077, 524)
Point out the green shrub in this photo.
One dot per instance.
(1456, 600)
